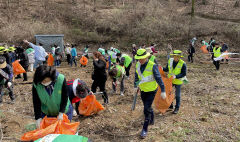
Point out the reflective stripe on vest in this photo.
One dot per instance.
(50, 104)
(175, 71)
(127, 60)
(217, 52)
(152, 58)
(147, 81)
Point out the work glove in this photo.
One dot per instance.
(174, 76)
(163, 95)
(60, 116)
(38, 122)
(9, 84)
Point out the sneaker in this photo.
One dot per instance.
(143, 134)
(175, 111)
(122, 94)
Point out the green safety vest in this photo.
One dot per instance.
(128, 60)
(152, 58)
(217, 52)
(175, 71)
(113, 60)
(147, 82)
(50, 105)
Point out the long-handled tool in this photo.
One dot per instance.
(135, 100)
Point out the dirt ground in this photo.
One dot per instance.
(209, 108)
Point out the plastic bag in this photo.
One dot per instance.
(52, 126)
(204, 49)
(163, 104)
(107, 64)
(17, 68)
(83, 61)
(50, 60)
(89, 106)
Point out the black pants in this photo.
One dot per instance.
(217, 64)
(69, 59)
(25, 78)
(128, 69)
(101, 84)
(9, 89)
(190, 57)
(147, 99)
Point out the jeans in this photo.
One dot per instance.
(37, 63)
(73, 60)
(147, 99)
(121, 86)
(69, 113)
(57, 62)
(178, 96)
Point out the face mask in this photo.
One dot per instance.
(47, 83)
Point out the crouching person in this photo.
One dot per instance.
(50, 96)
(6, 76)
(117, 72)
(77, 90)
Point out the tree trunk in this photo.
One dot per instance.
(236, 3)
(193, 9)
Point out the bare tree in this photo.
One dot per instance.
(236, 3)
(193, 9)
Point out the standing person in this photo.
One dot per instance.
(126, 61)
(12, 54)
(169, 50)
(217, 51)
(191, 51)
(23, 57)
(99, 75)
(152, 57)
(117, 72)
(134, 51)
(39, 54)
(30, 53)
(6, 76)
(177, 69)
(112, 58)
(50, 96)
(224, 49)
(147, 77)
(57, 55)
(74, 55)
(68, 53)
(85, 51)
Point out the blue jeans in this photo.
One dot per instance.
(73, 60)
(37, 63)
(56, 62)
(178, 96)
(69, 113)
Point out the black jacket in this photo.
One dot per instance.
(99, 70)
(23, 57)
(8, 59)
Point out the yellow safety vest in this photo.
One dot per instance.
(217, 52)
(147, 81)
(175, 71)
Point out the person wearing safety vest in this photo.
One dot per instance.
(85, 51)
(147, 78)
(112, 58)
(152, 57)
(117, 72)
(217, 51)
(50, 95)
(176, 68)
(126, 61)
(77, 90)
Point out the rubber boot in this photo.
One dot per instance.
(145, 129)
(152, 119)
(11, 96)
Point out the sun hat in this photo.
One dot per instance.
(177, 53)
(142, 54)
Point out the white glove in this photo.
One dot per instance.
(9, 84)
(163, 95)
(174, 76)
(60, 116)
(38, 122)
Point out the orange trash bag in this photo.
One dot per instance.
(50, 60)
(89, 106)
(17, 68)
(83, 61)
(163, 104)
(204, 49)
(52, 126)
(107, 64)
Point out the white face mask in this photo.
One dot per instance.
(47, 83)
